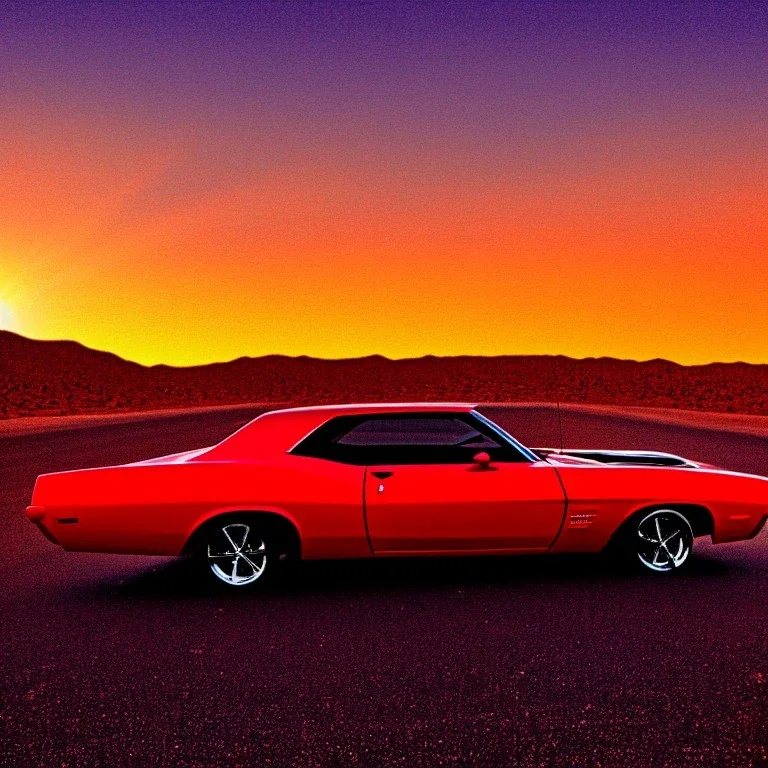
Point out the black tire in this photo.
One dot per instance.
(239, 553)
(658, 541)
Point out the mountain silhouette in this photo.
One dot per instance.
(64, 377)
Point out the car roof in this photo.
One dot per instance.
(276, 432)
(357, 408)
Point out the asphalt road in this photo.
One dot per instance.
(111, 661)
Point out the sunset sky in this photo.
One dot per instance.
(191, 182)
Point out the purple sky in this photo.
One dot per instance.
(626, 138)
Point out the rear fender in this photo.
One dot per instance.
(204, 519)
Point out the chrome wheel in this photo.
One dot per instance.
(236, 555)
(664, 540)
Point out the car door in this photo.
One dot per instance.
(458, 507)
(424, 492)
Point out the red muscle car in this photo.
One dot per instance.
(359, 481)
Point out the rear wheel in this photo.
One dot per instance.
(660, 541)
(239, 553)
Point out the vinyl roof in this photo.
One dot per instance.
(275, 432)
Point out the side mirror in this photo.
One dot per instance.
(482, 459)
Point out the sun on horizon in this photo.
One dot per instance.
(7, 319)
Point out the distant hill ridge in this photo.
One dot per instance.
(65, 377)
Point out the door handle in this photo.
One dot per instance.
(382, 475)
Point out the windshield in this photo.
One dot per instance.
(506, 436)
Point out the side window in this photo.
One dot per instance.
(406, 439)
(406, 432)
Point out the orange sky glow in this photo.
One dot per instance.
(189, 238)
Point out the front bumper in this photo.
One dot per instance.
(758, 527)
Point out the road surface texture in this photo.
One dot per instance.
(549, 661)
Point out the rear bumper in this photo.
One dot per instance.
(35, 513)
(36, 516)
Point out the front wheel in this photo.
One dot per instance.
(238, 554)
(660, 541)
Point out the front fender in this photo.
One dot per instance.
(602, 498)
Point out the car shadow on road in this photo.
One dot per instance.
(184, 578)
